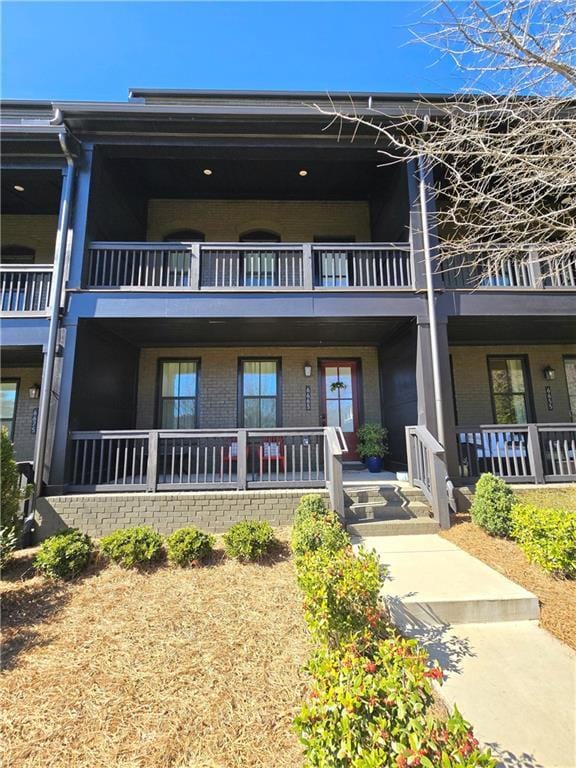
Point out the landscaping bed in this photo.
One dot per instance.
(161, 667)
(557, 596)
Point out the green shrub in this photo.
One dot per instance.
(130, 547)
(313, 530)
(341, 593)
(310, 505)
(189, 546)
(368, 708)
(65, 554)
(492, 505)
(8, 543)
(249, 540)
(547, 537)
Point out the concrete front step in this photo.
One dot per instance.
(410, 527)
(434, 583)
(377, 510)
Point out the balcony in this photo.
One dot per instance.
(520, 271)
(249, 266)
(25, 290)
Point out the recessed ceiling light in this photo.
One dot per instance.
(207, 171)
(18, 188)
(303, 172)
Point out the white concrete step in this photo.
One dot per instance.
(392, 528)
(433, 583)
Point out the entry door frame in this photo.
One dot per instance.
(357, 393)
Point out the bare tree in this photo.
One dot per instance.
(503, 150)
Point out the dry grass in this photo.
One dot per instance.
(195, 668)
(557, 597)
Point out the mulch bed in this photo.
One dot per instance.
(557, 597)
(171, 668)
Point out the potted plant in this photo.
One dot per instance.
(372, 445)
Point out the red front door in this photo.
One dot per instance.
(339, 404)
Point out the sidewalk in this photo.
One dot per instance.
(513, 680)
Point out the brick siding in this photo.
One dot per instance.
(38, 232)
(24, 440)
(218, 382)
(214, 512)
(225, 220)
(472, 386)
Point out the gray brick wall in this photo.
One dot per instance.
(218, 382)
(472, 385)
(295, 221)
(38, 232)
(100, 514)
(24, 440)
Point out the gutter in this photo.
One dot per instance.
(55, 299)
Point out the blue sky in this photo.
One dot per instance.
(96, 51)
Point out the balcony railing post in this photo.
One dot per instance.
(439, 489)
(535, 270)
(535, 453)
(152, 469)
(195, 267)
(308, 266)
(409, 456)
(242, 444)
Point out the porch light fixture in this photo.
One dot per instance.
(207, 171)
(18, 188)
(34, 392)
(303, 172)
(549, 373)
(307, 370)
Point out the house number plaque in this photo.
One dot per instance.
(308, 398)
(549, 401)
(34, 422)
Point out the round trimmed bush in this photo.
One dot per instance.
(310, 505)
(315, 531)
(65, 554)
(130, 547)
(492, 505)
(189, 546)
(249, 540)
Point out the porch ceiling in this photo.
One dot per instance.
(22, 357)
(512, 330)
(41, 193)
(254, 173)
(252, 331)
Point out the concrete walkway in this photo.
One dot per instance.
(513, 680)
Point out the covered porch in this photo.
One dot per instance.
(514, 399)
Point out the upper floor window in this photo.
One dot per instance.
(185, 236)
(260, 236)
(17, 254)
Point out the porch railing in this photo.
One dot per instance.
(522, 270)
(249, 266)
(427, 471)
(519, 453)
(165, 460)
(25, 288)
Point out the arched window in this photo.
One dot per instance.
(185, 236)
(17, 254)
(260, 236)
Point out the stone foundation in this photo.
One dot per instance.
(211, 511)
